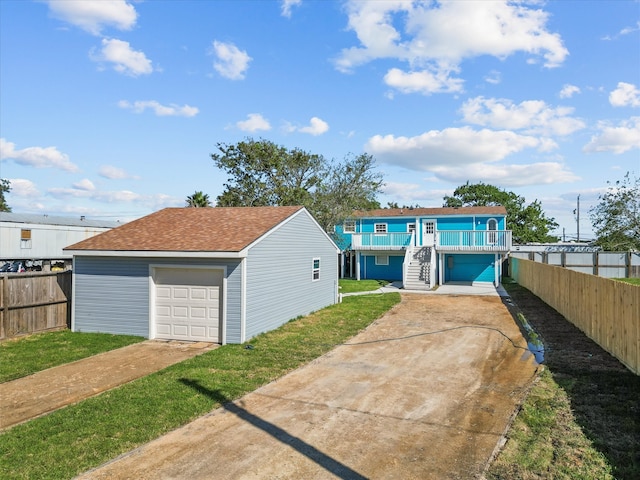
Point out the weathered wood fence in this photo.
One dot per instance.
(34, 302)
(607, 311)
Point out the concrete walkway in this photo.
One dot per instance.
(450, 288)
(426, 392)
(54, 388)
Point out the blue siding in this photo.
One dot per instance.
(111, 294)
(369, 269)
(470, 268)
(394, 225)
(279, 280)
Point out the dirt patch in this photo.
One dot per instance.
(425, 392)
(604, 394)
(46, 391)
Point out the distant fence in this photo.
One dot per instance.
(603, 264)
(34, 302)
(607, 311)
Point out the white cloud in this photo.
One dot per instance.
(231, 63)
(615, 139)
(542, 173)
(124, 59)
(21, 187)
(171, 110)
(569, 91)
(437, 36)
(316, 127)
(114, 173)
(451, 147)
(287, 5)
(409, 192)
(624, 31)
(38, 157)
(494, 77)
(85, 184)
(423, 81)
(94, 15)
(531, 116)
(253, 123)
(626, 95)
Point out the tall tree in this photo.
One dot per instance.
(616, 218)
(263, 173)
(347, 186)
(198, 199)
(5, 187)
(527, 222)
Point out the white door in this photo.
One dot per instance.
(428, 233)
(188, 303)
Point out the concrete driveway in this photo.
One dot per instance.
(427, 391)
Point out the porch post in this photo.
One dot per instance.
(497, 268)
(440, 269)
(357, 265)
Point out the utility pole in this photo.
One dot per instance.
(578, 218)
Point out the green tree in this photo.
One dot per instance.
(198, 199)
(527, 222)
(616, 218)
(346, 186)
(261, 173)
(5, 187)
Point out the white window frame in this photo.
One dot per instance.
(382, 226)
(350, 223)
(382, 259)
(315, 271)
(492, 235)
(25, 238)
(411, 227)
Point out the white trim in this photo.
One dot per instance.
(287, 220)
(380, 263)
(344, 229)
(243, 301)
(152, 293)
(155, 254)
(73, 293)
(314, 269)
(375, 229)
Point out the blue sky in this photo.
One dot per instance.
(111, 109)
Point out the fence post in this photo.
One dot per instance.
(596, 259)
(4, 305)
(627, 265)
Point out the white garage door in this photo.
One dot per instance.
(188, 303)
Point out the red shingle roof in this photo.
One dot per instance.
(215, 229)
(422, 212)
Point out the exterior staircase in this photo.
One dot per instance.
(418, 275)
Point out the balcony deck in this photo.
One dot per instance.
(445, 241)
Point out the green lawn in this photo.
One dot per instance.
(632, 281)
(33, 353)
(74, 439)
(350, 286)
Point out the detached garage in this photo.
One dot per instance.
(218, 275)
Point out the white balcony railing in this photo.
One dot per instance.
(380, 241)
(447, 240)
(474, 240)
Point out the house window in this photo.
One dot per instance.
(349, 226)
(315, 275)
(411, 227)
(492, 226)
(380, 227)
(382, 259)
(25, 238)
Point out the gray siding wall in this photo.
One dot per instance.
(111, 294)
(279, 275)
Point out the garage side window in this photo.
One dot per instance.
(315, 275)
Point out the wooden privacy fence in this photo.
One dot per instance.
(34, 302)
(607, 311)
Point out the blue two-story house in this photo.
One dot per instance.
(423, 247)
